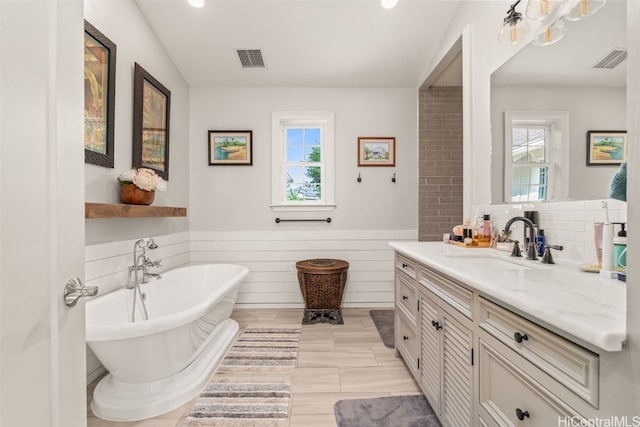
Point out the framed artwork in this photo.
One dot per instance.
(230, 147)
(151, 108)
(99, 96)
(606, 147)
(376, 151)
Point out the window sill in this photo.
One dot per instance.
(303, 208)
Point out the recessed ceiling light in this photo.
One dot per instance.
(196, 3)
(389, 4)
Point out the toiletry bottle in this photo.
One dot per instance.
(541, 242)
(467, 231)
(619, 245)
(486, 228)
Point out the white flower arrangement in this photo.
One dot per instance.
(143, 178)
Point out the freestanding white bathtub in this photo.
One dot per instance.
(156, 365)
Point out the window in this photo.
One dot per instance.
(536, 167)
(303, 170)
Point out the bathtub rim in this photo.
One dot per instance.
(121, 331)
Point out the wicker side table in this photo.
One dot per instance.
(322, 284)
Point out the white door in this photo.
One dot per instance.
(42, 363)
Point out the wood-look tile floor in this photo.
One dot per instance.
(336, 362)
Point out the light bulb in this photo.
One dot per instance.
(513, 32)
(389, 4)
(551, 34)
(196, 3)
(583, 9)
(539, 9)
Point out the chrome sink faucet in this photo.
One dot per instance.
(531, 247)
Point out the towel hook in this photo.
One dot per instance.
(393, 179)
(359, 178)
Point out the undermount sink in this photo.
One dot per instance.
(493, 261)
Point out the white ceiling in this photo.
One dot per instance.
(568, 62)
(315, 43)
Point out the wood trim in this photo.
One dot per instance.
(108, 210)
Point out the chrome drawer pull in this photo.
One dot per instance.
(405, 265)
(520, 337)
(404, 297)
(404, 337)
(436, 325)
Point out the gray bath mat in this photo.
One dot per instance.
(383, 319)
(394, 411)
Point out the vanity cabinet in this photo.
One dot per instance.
(446, 350)
(481, 364)
(406, 313)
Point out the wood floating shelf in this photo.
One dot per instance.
(110, 210)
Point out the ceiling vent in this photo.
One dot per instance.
(250, 58)
(611, 59)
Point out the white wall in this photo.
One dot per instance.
(231, 217)
(226, 198)
(122, 22)
(589, 109)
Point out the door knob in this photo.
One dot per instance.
(74, 289)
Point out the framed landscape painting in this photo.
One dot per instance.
(230, 147)
(376, 151)
(606, 147)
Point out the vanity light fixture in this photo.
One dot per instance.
(196, 3)
(389, 4)
(583, 9)
(514, 27)
(551, 34)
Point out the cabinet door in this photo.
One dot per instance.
(457, 373)
(430, 352)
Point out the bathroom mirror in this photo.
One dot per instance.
(562, 77)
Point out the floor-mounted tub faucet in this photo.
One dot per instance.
(531, 247)
(140, 262)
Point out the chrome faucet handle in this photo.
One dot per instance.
(532, 252)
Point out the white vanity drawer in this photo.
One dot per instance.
(512, 398)
(406, 265)
(406, 298)
(449, 291)
(407, 341)
(568, 363)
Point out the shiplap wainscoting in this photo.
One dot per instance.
(270, 257)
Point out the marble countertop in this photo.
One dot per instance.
(561, 297)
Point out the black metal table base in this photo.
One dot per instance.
(313, 316)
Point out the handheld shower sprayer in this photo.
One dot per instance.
(151, 244)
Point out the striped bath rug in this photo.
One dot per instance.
(252, 385)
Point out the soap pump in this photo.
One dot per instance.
(619, 247)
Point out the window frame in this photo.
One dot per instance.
(557, 150)
(285, 119)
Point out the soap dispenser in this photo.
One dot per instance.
(619, 246)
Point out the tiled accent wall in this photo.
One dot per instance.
(569, 224)
(440, 161)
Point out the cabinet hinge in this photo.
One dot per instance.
(472, 357)
(418, 305)
(418, 363)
